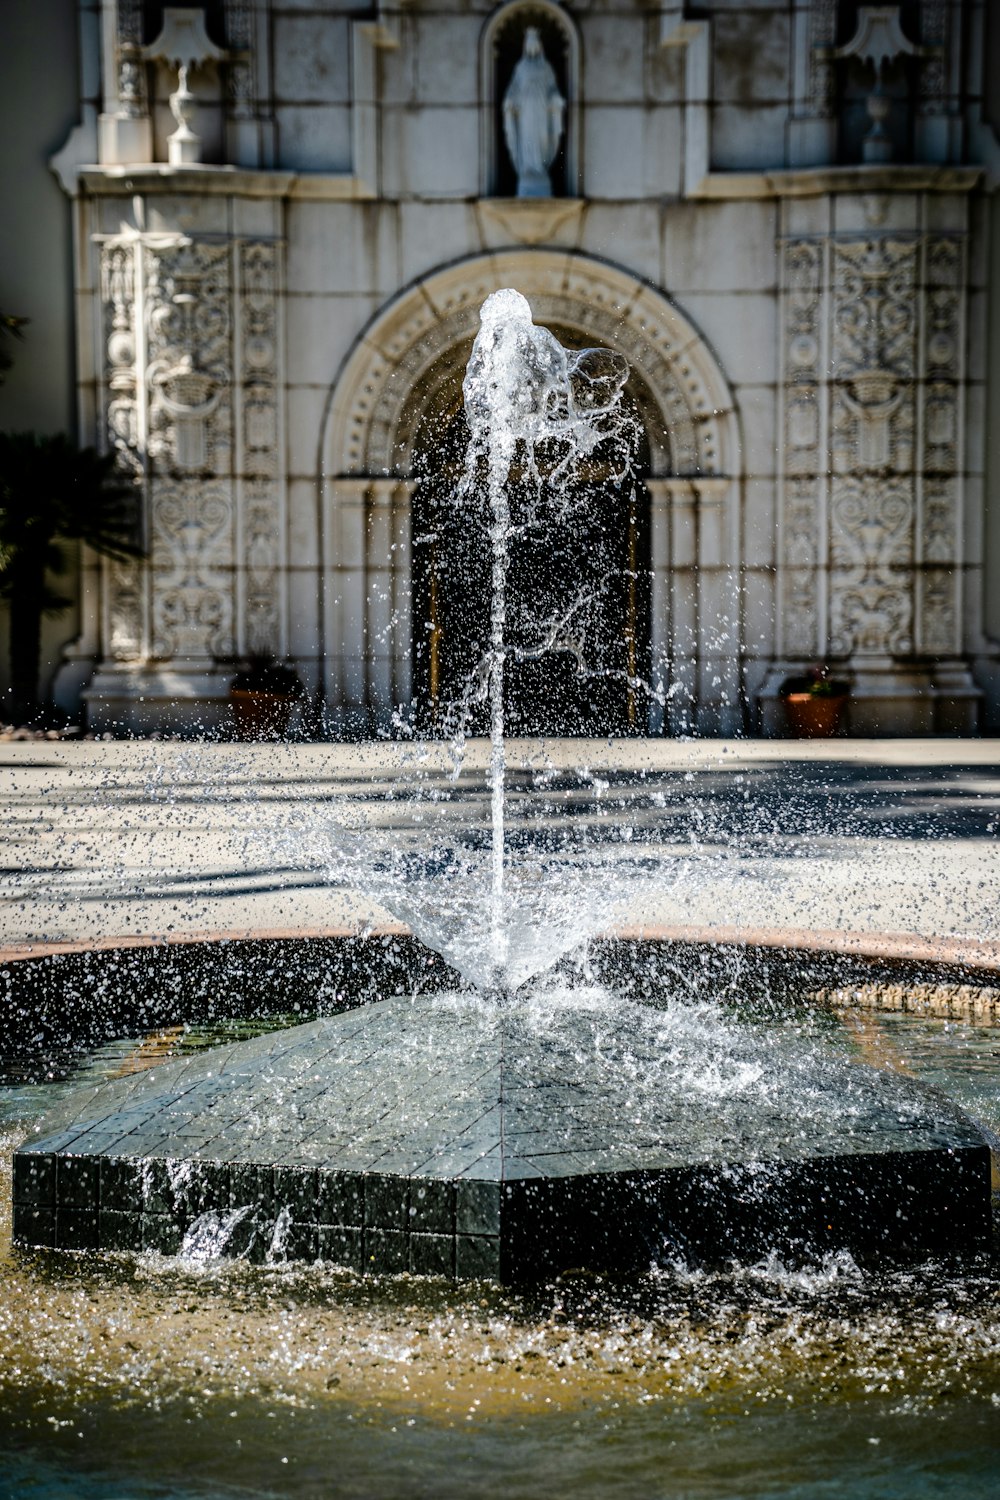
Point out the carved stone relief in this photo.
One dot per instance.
(891, 309)
(188, 375)
(192, 555)
(873, 353)
(171, 310)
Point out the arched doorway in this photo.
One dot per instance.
(392, 426)
(578, 595)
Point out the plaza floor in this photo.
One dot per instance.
(888, 843)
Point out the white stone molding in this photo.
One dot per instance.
(530, 221)
(391, 377)
(366, 601)
(124, 631)
(489, 139)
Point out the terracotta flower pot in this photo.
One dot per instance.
(261, 716)
(813, 716)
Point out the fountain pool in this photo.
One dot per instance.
(139, 1374)
(707, 1238)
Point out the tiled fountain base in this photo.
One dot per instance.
(441, 1137)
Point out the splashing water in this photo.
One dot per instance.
(526, 396)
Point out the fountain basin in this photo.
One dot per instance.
(445, 1136)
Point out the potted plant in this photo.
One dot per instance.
(262, 696)
(814, 703)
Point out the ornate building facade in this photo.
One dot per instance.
(286, 214)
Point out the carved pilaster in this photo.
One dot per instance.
(239, 37)
(132, 97)
(261, 545)
(938, 540)
(801, 487)
(934, 70)
(122, 580)
(822, 96)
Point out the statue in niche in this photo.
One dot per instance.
(533, 113)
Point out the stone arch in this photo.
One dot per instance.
(489, 143)
(694, 488)
(696, 413)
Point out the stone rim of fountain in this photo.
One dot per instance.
(506, 1224)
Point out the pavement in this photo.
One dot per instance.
(887, 846)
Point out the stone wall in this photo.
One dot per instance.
(806, 321)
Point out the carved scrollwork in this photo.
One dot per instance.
(192, 529)
(188, 330)
(871, 613)
(871, 522)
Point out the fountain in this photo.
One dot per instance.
(533, 1120)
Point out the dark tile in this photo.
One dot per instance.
(121, 1185)
(207, 1190)
(386, 1252)
(340, 1198)
(477, 1258)
(156, 1193)
(34, 1226)
(342, 1247)
(119, 1231)
(161, 1232)
(301, 1242)
(432, 1206)
(386, 1202)
(251, 1183)
(295, 1188)
(477, 1207)
(34, 1179)
(432, 1254)
(76, 1228)
(77, 1179)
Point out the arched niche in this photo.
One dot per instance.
(500, 47)
(401, 368)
